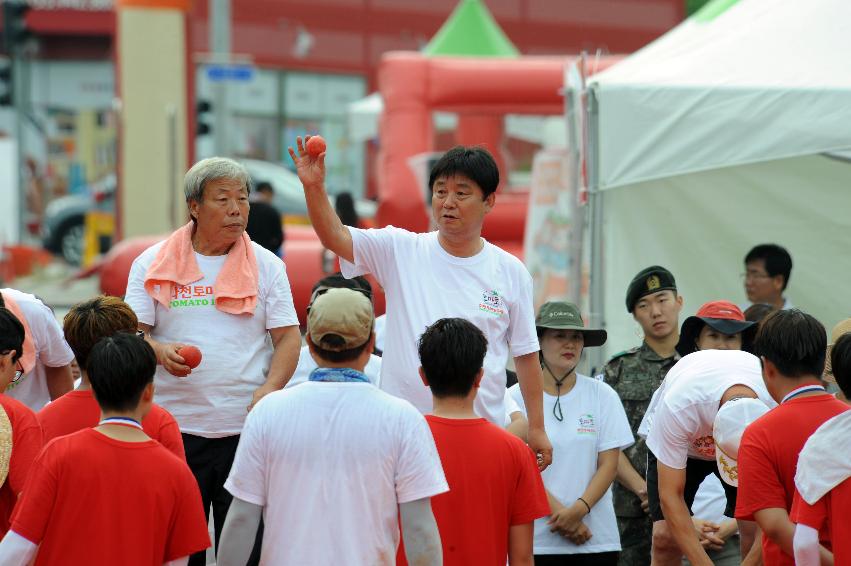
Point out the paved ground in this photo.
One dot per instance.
(53, 285)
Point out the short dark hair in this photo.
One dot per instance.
(120, 367)
(452, 351)
(264, 187)
(777, 260)
(840, 363)
(757, 312)
(336, 356)
(87, 322)
(11, 334)
(476, 163)
(336, 280)
(794, 342)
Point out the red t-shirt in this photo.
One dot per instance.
(831, 513)
(92, 499)
(768, 458)
(26, 444)
(494, 483)
(77, 410)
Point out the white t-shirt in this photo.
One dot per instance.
(423, 283)
(236, 350)
(380, 330)
(594, 421)
(51, 350)
(511, 407)
(710, 501)
(307, 364)
(682, 412)
(336, 458)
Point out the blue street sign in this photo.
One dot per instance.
(237, 73)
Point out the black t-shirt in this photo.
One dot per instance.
(265, 226)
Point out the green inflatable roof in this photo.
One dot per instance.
(471, 31)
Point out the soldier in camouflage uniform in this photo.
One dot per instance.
(635, 374)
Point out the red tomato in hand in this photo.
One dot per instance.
(191, 354)
(315, 145)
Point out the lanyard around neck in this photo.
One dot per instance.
(801, 391)
(122, 421)
(557, 412)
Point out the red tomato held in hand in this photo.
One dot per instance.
(191, 354)
(315, 145)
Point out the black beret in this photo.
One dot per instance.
(648, 281)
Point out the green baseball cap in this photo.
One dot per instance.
(560, 315)
(648, 281)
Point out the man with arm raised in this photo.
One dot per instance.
(451, 272)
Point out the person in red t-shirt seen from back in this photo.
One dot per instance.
(823, 479)
(110, 495)
(791, 345)
(495, 489)
(16, 419)
(84, 325)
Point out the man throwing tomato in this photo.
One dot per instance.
(451, 272)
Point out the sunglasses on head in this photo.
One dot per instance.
(322, 290)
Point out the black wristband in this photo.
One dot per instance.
(585, 502)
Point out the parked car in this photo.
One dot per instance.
(289, 194)
(63, 226)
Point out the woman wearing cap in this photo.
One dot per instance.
(718, 325)
(588, 427)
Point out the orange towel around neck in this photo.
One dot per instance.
(235, 289)
(28, 357)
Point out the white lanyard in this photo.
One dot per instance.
(802, 390)
(126, 421)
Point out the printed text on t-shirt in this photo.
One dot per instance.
(192, 296)
(492, 303)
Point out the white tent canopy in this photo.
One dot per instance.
(711, 140)
(762, 80)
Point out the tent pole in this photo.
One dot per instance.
(572, 112)
(595, 204)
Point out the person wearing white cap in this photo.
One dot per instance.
(791, 345)
(332, 463)
(680, 440)
(823, 476)
(717, 325)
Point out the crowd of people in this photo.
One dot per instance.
(719, 440)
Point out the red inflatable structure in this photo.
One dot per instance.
(481, 92)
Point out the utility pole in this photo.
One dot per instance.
(15, 34)
(220, 46)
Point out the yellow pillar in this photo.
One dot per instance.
(152, 77)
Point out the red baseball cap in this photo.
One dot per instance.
(723, 316)
(722, 310)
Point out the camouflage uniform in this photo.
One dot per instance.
(635, 374)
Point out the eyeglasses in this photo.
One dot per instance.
(19, 368)
(750, 276)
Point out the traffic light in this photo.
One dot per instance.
(203, 117)
(15, 30)
(6, 97)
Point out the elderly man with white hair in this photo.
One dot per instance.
(210, 286)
